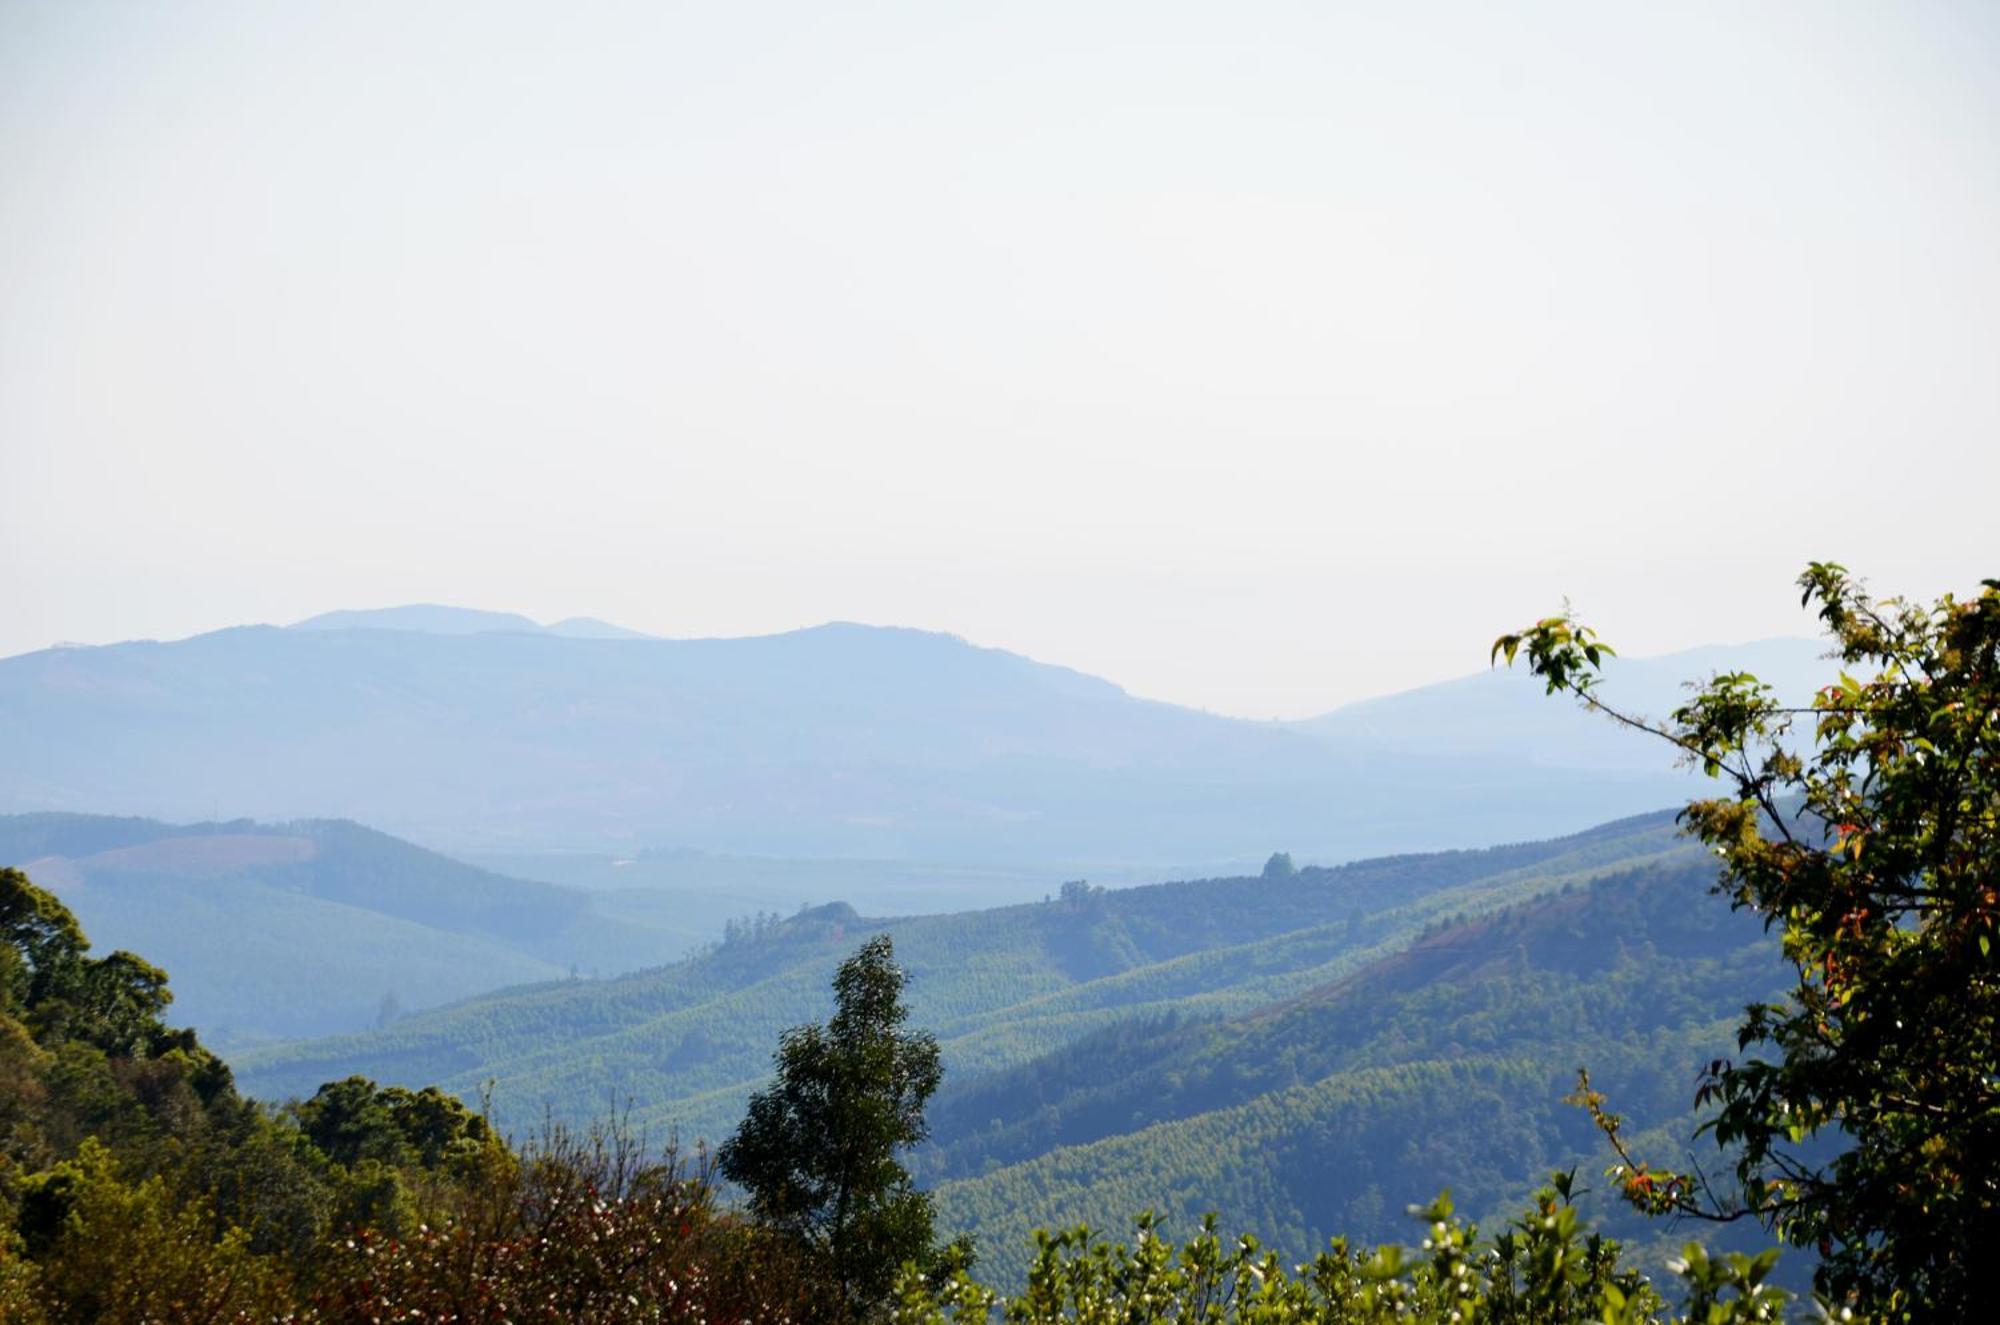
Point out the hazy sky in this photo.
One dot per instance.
(1256, 356)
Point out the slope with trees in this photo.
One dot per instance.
(280, 930)
(1442, 1065)
(689, 1042)
(137, 1187)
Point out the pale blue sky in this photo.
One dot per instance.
(1257, 356)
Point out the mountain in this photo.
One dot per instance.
(1442, 1065)
(436, 619)
(589, 627)
(838, 741)
(687, 1042)
(1305, 1053)
(1493, 716)
(423, 619)
(306, 928)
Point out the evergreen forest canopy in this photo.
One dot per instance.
(1303, 1075)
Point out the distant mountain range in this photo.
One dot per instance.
(485, 731)
(435, 619)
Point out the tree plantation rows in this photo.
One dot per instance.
(688, 1042)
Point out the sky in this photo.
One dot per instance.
(1257, 356)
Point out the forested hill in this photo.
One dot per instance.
(312, 927)
(1442, 1065)
(686, 1043)
(841, 740)
(1302, 1051)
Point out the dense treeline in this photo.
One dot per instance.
(138, 1185)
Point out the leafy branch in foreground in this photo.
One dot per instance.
(1865, 1115)
(1545, 1269)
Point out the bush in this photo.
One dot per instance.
(1545, 1269)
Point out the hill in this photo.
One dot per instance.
(437, 619)
(686, 1043)
(1303, 1052)
(1441, 1065)
(839, 741)
(304, 928)
(1491, 715)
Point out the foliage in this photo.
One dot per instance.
(136, 1185)
(1864, 1112)
(586, 1230)
(353, 1120)
(130, 1252)
(1546, 1268)
(818, 1150)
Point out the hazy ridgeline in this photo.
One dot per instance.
(315, 927)
(841, 741)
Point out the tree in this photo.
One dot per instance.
(1864, 1116)
(41, 945)
(131, 1252)
(817, 1151)
(47, 977)
(1280, 866)
(350, 1121)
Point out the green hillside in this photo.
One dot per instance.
(1443, 1065)
(1302, 1052)
(281, 930)
(685, 1044)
